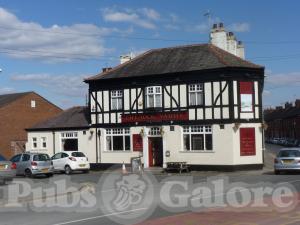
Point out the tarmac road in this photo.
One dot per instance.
(99, 214)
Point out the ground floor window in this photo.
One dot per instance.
(197, 138)
(118, 139)
(69, 141)
(44, 142)
(34, 142)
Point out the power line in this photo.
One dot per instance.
(102, 35)
(75, 56)
(142, 38)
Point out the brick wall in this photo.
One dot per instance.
(19, 115)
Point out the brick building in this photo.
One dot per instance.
(283, 122)
(17, 112)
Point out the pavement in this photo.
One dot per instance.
(38, 200)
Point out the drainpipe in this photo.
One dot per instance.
(96, 145)
(53, 133)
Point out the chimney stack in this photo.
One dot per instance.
(105, 69)
(125, 58)
(226, 40)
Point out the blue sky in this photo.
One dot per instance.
(49, 46)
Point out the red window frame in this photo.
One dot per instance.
(246, 87)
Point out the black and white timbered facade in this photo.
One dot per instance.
(197, 104)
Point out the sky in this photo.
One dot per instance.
(50, 46)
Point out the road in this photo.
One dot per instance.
(187, 204)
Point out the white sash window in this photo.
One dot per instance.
(116, 100)
(196, 94)
(154, 96)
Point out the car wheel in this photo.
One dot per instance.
(68, 170)
(28, 173)
(276, 172)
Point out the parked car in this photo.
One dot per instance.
(288, 159)
(70, 161)
(275, 141)
(32, 164)
(7, 170)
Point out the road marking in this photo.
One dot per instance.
(98, 217)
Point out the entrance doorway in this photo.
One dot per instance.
(155, 151)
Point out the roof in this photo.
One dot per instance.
(75, 117)
(282, 113)
(8, 98)
(175, 60)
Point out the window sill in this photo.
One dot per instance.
(117, 151)
(198, 151)
(116, 110)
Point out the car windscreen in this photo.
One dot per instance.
(41, 157)
(2, 158)
(78, 154)
(289, 153)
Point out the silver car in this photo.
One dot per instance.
(288, 159)
(31, 164)
(7, 170)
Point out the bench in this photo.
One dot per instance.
(177, 166)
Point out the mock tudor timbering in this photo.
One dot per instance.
(195, 103)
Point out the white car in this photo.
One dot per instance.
(70, 161)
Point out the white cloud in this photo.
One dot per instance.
(67, 85)
(21, 39)
(266, 92)
(6, 90)
(203, 27)
(150, 13)
(239, 27)
(284, 79)
(142, 17)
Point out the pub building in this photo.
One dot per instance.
(200, 104)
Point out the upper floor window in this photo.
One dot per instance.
(196, 94)
(116, 100)
(246, 96)
(33, 104)
(154, 96)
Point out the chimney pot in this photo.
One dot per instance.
(105, 69)
(125, 58)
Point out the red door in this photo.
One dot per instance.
(150, 151)
(247, 141)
